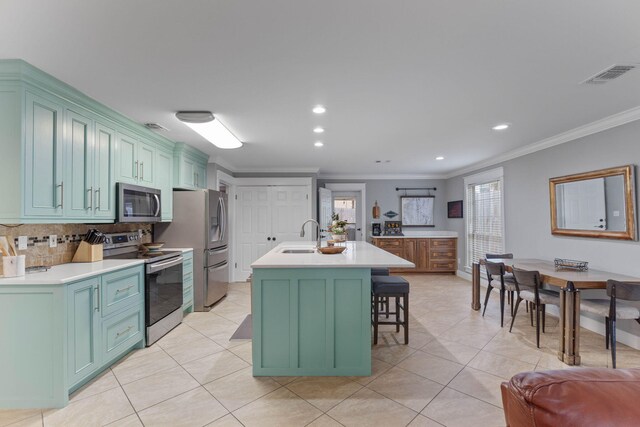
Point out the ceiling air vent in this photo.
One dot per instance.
(156, 127)
(610, 73)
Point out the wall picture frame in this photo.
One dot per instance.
(417, 211)
(454, 209)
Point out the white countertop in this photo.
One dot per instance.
(420, 235)
(357, 255)
(66, 273)
(183, 250)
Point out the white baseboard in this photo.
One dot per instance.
(593, 325)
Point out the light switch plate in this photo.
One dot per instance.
(22, 243)
(53, 240)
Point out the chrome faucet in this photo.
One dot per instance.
(317, 226)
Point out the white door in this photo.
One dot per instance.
(267, 216)
(291, 207)
(254, 227)
(348, 205)
(325, 203)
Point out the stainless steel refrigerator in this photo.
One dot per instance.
(200, 222)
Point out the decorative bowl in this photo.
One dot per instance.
(331, 250)
(153, 246)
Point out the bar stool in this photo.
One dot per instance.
(384, 302)
(390, 287)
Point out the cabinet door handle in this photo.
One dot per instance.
(136, 167)
(61, 205)
(90, 191)
(142, 170)
(124, 289)
(98, 199)
(96, 297)
(124, 331)
(194, 179)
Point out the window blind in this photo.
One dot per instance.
(485, 224)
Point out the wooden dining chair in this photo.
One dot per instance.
(613, 309)
(507, 275)
(507, 284)
(529, 288)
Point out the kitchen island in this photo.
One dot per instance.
(311, 312)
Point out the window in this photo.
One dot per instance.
(345, 207)
(485, 217)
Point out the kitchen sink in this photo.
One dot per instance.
(298, 251)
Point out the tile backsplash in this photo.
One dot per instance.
(69, 236)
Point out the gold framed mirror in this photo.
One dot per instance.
(597, 204)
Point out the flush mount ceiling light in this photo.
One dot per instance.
(318, 129)
(210, 128)
(319, 109)
(440, 158)
(318, 144)
(501, 126)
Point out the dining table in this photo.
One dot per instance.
(570, 282)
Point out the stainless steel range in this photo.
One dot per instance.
(163, 281)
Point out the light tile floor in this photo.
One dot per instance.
(449, 374)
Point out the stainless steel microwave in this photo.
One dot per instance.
(138, 204)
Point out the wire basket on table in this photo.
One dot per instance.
(570, 264)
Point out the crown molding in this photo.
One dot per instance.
(222, 162)
(609, 122)
(277, 170)
(373, 177)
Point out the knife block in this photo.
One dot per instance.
(88, 253)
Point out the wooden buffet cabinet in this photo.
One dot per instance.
(430, 255)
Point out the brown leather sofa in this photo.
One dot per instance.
(573, 397)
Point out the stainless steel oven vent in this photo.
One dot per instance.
(609, 74)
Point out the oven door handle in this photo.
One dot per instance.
(217, 267)
(152, 268)
(157, 212)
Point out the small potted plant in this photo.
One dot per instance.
(338, 228)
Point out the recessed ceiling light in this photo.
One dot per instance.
(501, 126)
(318, 144)
(318, 129)
(319, 109)
(440, 158)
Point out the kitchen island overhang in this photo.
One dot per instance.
(311, 312)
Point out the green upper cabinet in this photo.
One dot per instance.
(189, 167)
(147, 159)
(78, 163)
(104, 190)
(164, 169)
(63, 152)
(136, 161)
(44, 184)
(89, 178)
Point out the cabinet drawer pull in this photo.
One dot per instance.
(96, 293)
(124, 289)
(142, 171)
(98, 199)
(124, 331)
(90, 191)
(61, 205)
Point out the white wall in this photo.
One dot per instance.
(527, 211)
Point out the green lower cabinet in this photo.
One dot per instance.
(311, 321)
(187, 282)
(56, 338)
(83, 329)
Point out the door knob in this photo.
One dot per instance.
(274, 239)
(269, 238)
